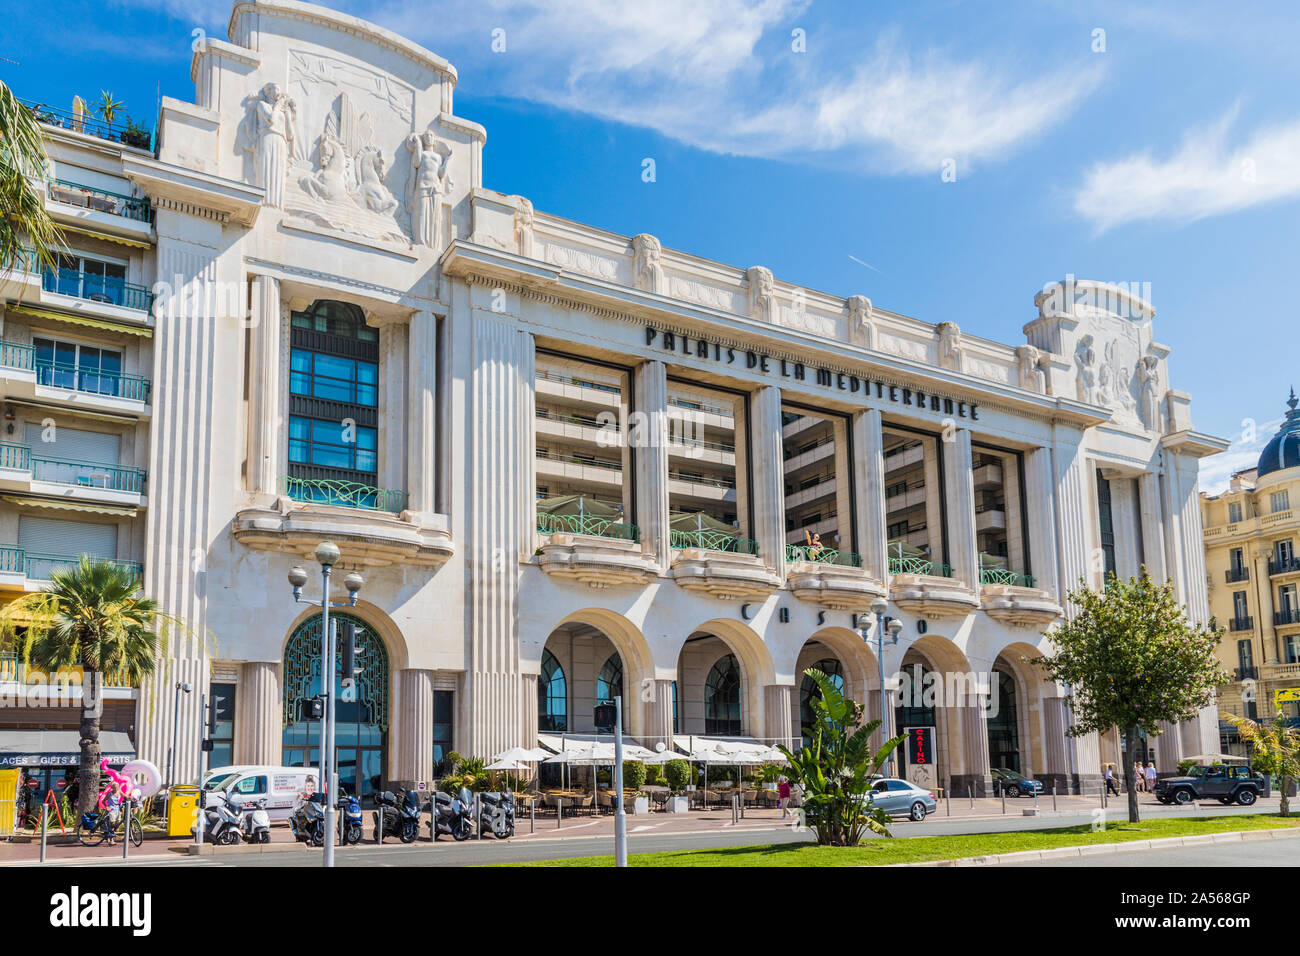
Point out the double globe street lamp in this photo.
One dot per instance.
(878, 607)
(327, 555)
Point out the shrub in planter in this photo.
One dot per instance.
(678, 774)
(634, 774)
(652, 775)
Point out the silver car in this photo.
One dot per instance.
(899, 798)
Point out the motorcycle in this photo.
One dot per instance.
(349, 820)
(394, 818)
(497, 814)
(254, 821)
(440, 814)
(308, 820)
(221, 823)
(462, 815)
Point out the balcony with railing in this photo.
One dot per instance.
(13, 670)
(24, 468)
(1233, 575)
(107, 290)
(77, 384)
(94, 199)
(371, 525)
(1246, 623)
(1286, 617)
(126, 133)
(927, 588)
(830, 577)
(22, 569)
(596, 550)
(719, 563)
(1014, 598)
(1290, 565)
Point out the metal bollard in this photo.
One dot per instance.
(478, 816)
(970, 792)
(45, 821)
(1003, 791)
(1053, 796)
(947, 800)
(532, 815)
(559, 812)
(126, 831)
(1035, 799)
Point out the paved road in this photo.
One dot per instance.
(488, 851)
(1262, 853)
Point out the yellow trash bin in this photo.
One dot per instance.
(182, 810)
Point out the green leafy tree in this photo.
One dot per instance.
(678, 775)
(634, 773)
(1274, 750)
(1131, 659)
(836, 767)
(24, 222)
(92, 616)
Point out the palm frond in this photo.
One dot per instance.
(24, 223)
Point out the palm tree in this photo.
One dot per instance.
(92, 615)
(1274, 750)
(108, 108)
(24, 223)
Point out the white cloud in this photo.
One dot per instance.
(721, 75)
(1205, 177)
(1243, 453)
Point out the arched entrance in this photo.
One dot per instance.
(938, 689)
(1016, 725)
(840, 653)
(361, 712)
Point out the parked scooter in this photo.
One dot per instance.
(350, 831)
(440, 814)
(462, 815)
(396, 818)
(497, 814)
(222, 824)
(308, 820)
(254, 821)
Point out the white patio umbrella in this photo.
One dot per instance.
(516, 753)
(505, 765)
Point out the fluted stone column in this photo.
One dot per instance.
(529, 704)
(1040, 489)
(412, 759)
(393, 412)
(1169, 748)
(959, 480)
(501, 363)
(1153, 538)
(766, 461)
(869, 491)
(778, 714)
(1124, 514)
(1075, 521)
(975, 750)
(422, 412)
(264, 420)
(259, 714)
(659, 714)
(650, 393)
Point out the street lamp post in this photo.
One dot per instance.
(176, 729)
(878, 607)
(327, 555)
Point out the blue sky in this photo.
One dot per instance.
(1165, 150)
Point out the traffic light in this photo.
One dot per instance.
(350, 651)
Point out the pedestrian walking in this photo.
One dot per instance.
(1139, 780)
(1110, 780)
(1151, 777)
(783, 794)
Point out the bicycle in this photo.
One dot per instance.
(96, 826)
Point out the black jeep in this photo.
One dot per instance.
(1226, 784)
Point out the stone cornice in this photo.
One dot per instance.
(193, 192)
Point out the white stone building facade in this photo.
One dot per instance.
(352, 338)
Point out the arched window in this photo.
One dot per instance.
(808, 691)
(333, 404)
(722, 698)
(609, 683)
(1003, 725)
(914, 702)
(552, 696)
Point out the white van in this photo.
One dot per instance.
(279, 787)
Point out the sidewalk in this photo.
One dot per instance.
(25, 848)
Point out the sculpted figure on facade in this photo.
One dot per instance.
(647, 264)
(267, 132)
(524, 220)
(1085, 359)
(950, 349)
(762, 294)
(1032, 375)
(1148, 376)
(861, 328)
(329, 183)
(371, 169)
(429, 182)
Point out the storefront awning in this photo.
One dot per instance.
(104, 324)
(90, 508)
(59, 748)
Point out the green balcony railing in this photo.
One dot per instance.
(13, 670)
(712, 541)
(76, 378)
(919, 566)
(343, 494)
(15, 355)
(607, 527)
(15, 456)
(11, 560)
(1004, 576)
(88, 474)
(38, 566)
(100, 200)
(822, 555)
(84, 285)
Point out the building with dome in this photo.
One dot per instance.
(570, 464)
(1251, 532)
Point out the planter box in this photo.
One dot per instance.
(641, 805)
(678, 805)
